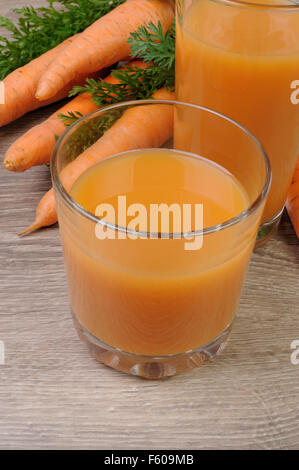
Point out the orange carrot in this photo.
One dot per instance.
(103, 43)
(20, 86)
(36, 146)
(139, 127)
(292, 203)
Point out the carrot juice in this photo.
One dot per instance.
(157, 240)
(151, 296)
(243, 61)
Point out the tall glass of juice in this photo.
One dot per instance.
(242, 59)
(157, 237)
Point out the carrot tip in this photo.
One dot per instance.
(8, 165)
(30, 229)
(42, 92)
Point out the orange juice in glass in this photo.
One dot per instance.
(242, 59)
(157, 241)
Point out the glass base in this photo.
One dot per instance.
(151, 367)
(267, 229)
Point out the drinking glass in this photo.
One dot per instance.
(241, 59)
(145, 304)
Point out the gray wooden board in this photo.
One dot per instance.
(54, 395)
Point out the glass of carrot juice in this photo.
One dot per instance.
(157, 237)
(241, 58)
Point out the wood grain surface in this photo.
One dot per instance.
(53, 395)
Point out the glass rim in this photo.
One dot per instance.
(294, 6)
(71, 203)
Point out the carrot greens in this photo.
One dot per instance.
(38, 30)
(154, 47)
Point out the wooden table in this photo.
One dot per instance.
(54, 395)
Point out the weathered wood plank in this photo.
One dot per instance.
(54, 395)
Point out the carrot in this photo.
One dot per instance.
(36, 146)
(139, 127)
(292, 203)
(20, 86)
(103, 43)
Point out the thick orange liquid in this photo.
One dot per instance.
(162, 176)
(151, 296)
(241, 62)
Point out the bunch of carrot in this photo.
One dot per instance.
(50, 78)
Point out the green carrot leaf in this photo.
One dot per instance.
(152, 45)
(134, 84)
(69, 118)
(38, 30)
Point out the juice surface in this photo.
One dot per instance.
(162, 176)
(241, 62)
(151, 296)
